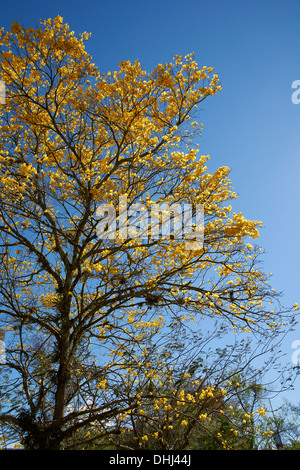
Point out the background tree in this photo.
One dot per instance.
(205, 402)
(285, 421)
(85, 315)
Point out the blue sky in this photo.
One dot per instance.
(252, 126)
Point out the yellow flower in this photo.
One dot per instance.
(145, 438)
(189, 397)
(102, 384)
(184, 422)
(15, 28)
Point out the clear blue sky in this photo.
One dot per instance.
(252, 126)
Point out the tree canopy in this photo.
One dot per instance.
(94, 325)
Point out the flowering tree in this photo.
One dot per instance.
(85, 315)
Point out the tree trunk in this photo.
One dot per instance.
(62, 378)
